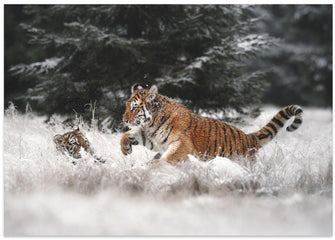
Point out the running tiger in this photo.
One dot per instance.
(163, 125)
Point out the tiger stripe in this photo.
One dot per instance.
(209, 133)
(246, 144)
(272, 127)
(249, 144)
(221, 144)
(163, 120)
(232, 141)
(225, 142)
(284, 115)
(237, 141)
(216, 137)
(189, 125)
(243, 144)
(143, 138)
(195, 126)
(277, 121)
(168, 135)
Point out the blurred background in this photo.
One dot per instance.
(76, 59)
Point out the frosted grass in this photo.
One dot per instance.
(288, 191)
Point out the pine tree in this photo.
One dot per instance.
(302, 63)
(218, 75)
(197, 54)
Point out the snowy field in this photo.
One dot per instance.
(287, 192)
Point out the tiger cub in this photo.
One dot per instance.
(163, 125)
(72, 142)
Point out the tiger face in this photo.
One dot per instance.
(138, 108)
(72, 142)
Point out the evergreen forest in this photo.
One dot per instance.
(82, 59)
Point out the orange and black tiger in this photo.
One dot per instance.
(72, 142)
(165, 126)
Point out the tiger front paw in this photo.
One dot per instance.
(126, 143)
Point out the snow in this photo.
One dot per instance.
(287, 192)
(198, 62)
(252, 42)
(38, 67)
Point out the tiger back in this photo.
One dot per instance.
(165, 126)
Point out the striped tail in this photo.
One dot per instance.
(270, 130)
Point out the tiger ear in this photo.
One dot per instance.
(153, 91)
(58, 138)
(135, 87)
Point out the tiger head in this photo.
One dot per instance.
(142, 106)
(72, 142)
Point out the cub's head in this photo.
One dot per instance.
(140, 107)
(72, 142)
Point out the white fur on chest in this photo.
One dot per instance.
(157, 140)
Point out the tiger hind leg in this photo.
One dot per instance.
(177, 151)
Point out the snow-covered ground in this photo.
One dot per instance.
(287, 192)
